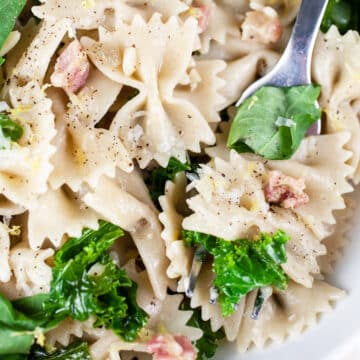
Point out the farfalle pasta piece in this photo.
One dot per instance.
(35, 61)
(240, 73)
(134, 184)
(231, 203)
(287, 9)
(28, 32)
(65, 214)
(94, 100)
(207, 90)
(104, 344)
(116, 205)
(5, 270)
(338, 239)
(8, 208)
(262, 25)
(174, 320)
(220, 23)
(337, 70)
(154, 57)
(220, 150)
(25, 167)
(85, 153)
(10, 290)
(65, 332)
(181, 257)
(31, 272)
(108, 346)
(91, 14)
(286, 313)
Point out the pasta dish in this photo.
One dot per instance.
(142, 214)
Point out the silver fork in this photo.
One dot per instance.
(294, 67)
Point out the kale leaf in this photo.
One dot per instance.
(241, 266)
(208, 343)
(344, 14)
(75, 351)
(86, 281)
(20, 322)
(9, 130)
(273, 121)
(159, 176)
(9, 12)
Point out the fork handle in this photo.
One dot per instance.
(298, 53)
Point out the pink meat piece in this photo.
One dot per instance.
(171, 347)
(71, 69)
(204, 17)
(261, 27)
(285, 191)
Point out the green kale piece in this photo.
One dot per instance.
(9, 131)
(344, 14)
(241, 266)
(87, 282)
(159, 176)
(20, 322)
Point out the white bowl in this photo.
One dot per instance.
(337, 335)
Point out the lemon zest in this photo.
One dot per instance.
(355, 75)
(334, 120)
(194, 12)
(254, 206)
(88, 4)
(39, 336)
(145, 334)
(15, 230)
(44, 88)
(35, 164)
(162, 329)
(80, 156)
(254, 99)
(21, 109)
(249, 170)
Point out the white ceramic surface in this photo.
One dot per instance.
(337, 335)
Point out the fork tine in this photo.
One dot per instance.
(196, 266)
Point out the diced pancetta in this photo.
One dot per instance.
(285, 191)
(171, 347)
(72, 68)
